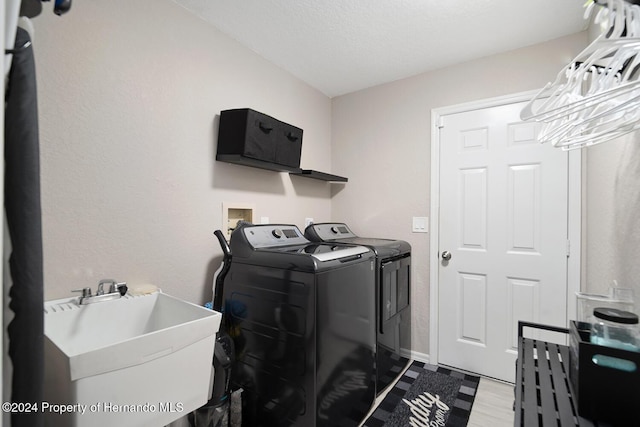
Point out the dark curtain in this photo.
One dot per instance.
(22, 205)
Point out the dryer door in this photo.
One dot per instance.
(394, 287)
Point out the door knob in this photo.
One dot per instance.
(446, 255)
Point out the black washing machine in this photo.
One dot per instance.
(393, 283)
(302, 318)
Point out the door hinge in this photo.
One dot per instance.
(440, 123)
(568, 248)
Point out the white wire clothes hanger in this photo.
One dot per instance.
(596, 97)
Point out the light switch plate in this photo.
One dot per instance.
(420, 224)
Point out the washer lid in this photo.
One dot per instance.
(339, 252)
(284, 246)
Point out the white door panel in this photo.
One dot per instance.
(503, 218)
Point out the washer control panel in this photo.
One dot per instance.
(272, 235)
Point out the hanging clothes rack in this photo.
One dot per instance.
(596, 97)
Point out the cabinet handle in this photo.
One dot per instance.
(291, 137)
(264, 128)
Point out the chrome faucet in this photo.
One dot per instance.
(116, 290)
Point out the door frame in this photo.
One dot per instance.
(574, 246)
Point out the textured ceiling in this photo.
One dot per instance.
(340, 46)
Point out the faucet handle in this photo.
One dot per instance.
(103, 282)
(86, 292)
(120, 287)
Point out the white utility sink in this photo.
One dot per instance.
(136, 361)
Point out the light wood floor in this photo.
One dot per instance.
(493, 405)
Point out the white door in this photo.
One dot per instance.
(503, 223)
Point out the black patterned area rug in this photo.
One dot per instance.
(427, 395)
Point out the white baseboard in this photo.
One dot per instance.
(415, 355)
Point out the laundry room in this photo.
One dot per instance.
(133, 182)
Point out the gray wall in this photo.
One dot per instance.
(611, 221)
(382, 136)
(130, 94)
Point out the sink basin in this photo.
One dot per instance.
(136, 361)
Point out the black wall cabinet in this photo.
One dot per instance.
(245, 133)
(250, 138)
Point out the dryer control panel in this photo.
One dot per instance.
(329, 231)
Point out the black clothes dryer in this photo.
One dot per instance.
(392, 284)
(302, 318)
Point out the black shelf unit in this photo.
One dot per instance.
(239, 159)
(322, 176)
(560, 385)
